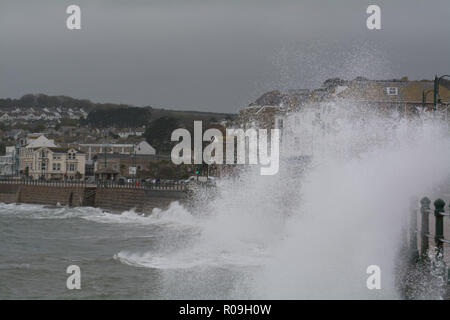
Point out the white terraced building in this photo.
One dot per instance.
(28, 145)
(9, 162)
(56, 163)
(91, 149)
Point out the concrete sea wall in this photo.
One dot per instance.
(140, 199)
(112, 198)
(9, 193)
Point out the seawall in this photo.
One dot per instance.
(114, 198)
(9, 193)
(140, 199)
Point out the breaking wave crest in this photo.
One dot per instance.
(174, 214)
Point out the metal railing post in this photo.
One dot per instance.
(413, 231)
(424, 211)
(439, 228)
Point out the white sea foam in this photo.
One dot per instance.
(314, 234)
(35, 211)
(174, 215)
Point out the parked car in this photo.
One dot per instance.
(190, 179)
(121, 180)
(89, 179)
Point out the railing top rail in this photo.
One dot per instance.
(170, 186)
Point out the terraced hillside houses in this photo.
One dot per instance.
(399, 95)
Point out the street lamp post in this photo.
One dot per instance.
(106, 175)
(436, 89)
(134, 161)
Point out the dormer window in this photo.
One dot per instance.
(392, 91)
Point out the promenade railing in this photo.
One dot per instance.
(424, 231)
(53, 183)
(436, 253)
(157, 186)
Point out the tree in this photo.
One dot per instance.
(166, 171)
(67, 122)
(123, 117)
(113, 135)
(38, 127)
(159, 132)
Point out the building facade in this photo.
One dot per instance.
(34, 140)
(27, 145)
(91, 149)
(54, 163)
(112, 166)
(9, 163)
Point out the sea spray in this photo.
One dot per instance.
(314, 234)
(354, 198)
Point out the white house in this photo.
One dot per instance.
(29, 144)
(126, 134)
(144, 147)
(5, 117)
(56, 163)
(8, 162)
(35, 140)
(40, 141)
(92, 149)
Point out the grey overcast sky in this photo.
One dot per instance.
(213, 55)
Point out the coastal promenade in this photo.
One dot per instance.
(112, 196)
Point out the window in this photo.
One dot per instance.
(392, 91)
(71, 156)
(72, 167)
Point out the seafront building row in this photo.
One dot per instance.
(37, 157)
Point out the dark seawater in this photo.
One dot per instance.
(121, 255)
